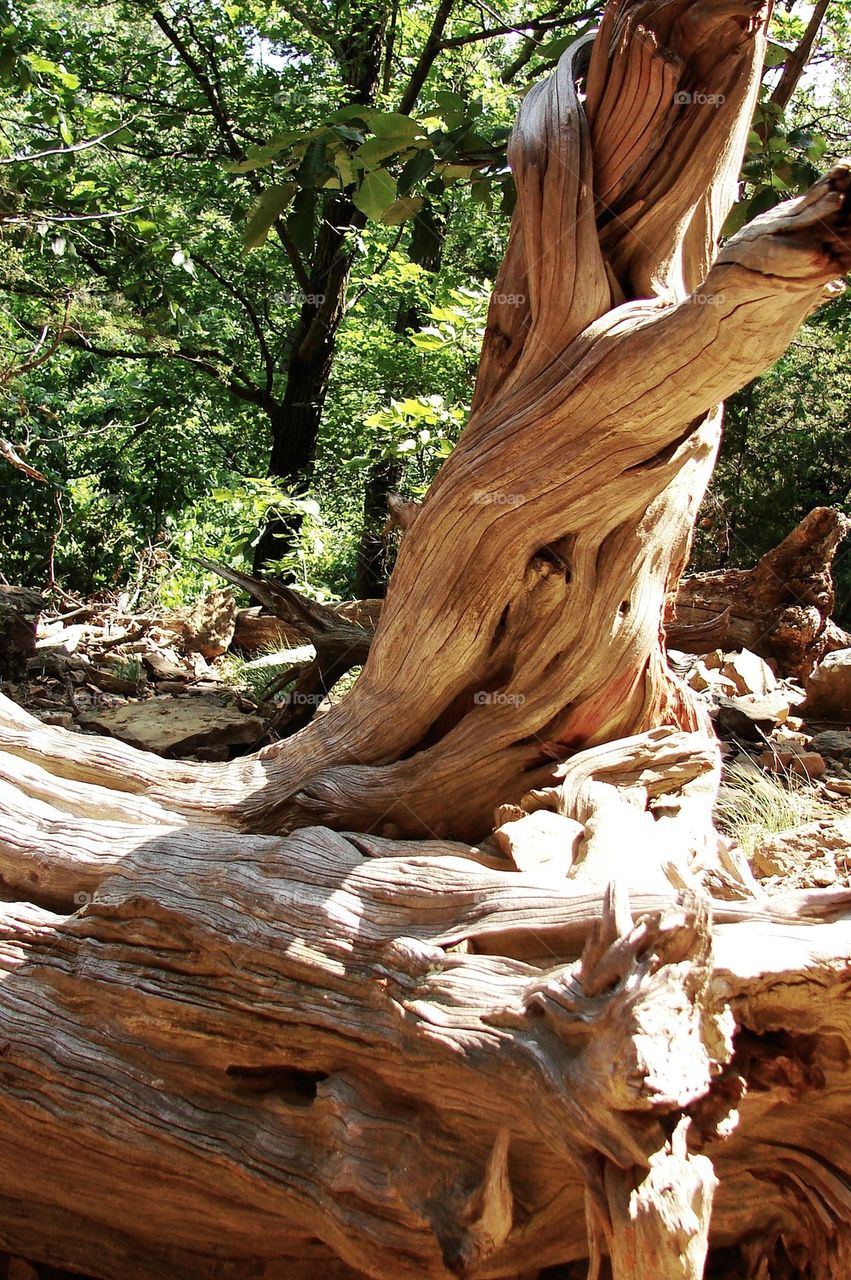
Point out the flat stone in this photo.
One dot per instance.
(702, 678)
(807, 764)
(832, 742)
(62, 719)
(540, 841)
(174, 727)
(749, 673)
(829, 687)
(162, 667)
(750, 717)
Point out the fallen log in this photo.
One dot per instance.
(388, 1058)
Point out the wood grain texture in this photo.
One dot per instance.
(308, 1011)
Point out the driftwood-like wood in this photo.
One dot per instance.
(222, 1052)
(780, 609)
(524, 618)
(318, 1008)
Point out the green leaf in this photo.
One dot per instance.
(736, 219)
(414, 408)
(764, 200)
(784, 173)
(314, 168)
(260, 157)
(401, 210)
(390, 124)
(481, 192)
(555, 48)
(375, 194)
(452, 172)
(417, 168)
(344, 167)
(451, 106)
(425, 341)
(52, 69)
(376, 150)
(266, 208)
(775, 54)
(509, 196)
(347, 133)
(301, 224)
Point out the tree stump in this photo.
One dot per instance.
(780, 609)
(19, 613)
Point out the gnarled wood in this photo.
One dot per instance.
(780, 609)
(410, 1053)
(532, 585)
(232, 1037)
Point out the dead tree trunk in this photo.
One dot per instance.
(229, 1050)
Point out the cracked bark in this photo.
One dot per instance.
(236, 1040)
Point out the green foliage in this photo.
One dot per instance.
(258, 678)
(786, 449)
(782, 160)
(383, 156)
(129, 669)
(174, 206)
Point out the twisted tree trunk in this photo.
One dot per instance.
(228, 1050)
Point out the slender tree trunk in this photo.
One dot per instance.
(295, 421)
(230, 1051)
(793, 67)
(374, 550)
(295, 424)
(428, 239)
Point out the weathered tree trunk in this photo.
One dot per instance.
(781, 609)
(247, 1052)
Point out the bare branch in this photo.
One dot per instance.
(245, 302)
(793, 67)
(67, 151)
(430, 50)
